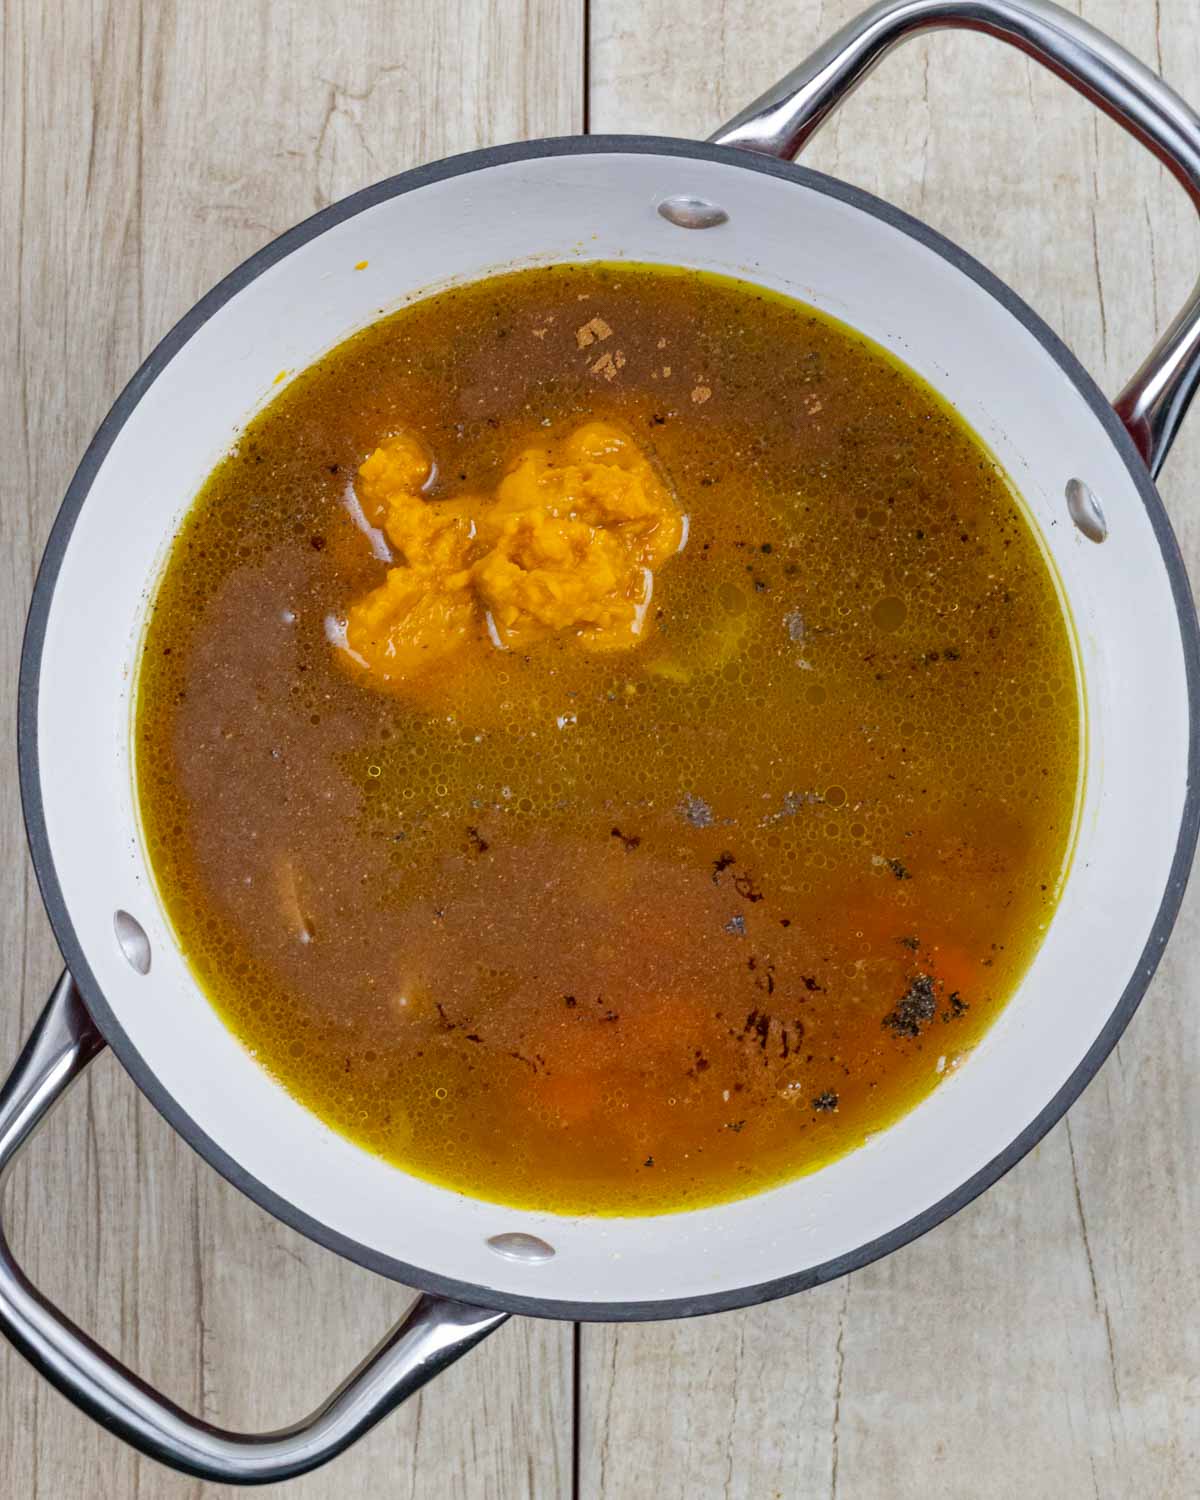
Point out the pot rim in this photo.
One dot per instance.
(30, 775)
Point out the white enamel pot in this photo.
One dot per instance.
(735, 206)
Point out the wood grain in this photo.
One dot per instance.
(144, 150)
(1043, 1343)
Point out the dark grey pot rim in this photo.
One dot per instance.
(60, 917)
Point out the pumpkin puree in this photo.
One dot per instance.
(570, 541)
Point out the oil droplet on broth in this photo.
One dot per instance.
(889, 613)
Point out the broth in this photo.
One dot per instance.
(627, 924)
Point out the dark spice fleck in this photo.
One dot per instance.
(811, 985)
(898, 869)
(766, 979)
(744, 885)
(630, 840)
(916, 1008)
(958, 1007)
(911, 943)
(317, 543)
(649, 1162)
(735, 1126)
(722, 863)
(826, 1101)
(478, 842)
(569, 1001)
(758, 1024)
(736, 926)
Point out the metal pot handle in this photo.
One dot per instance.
(434, 1333)
(779, 123)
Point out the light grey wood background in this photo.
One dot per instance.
(1046, 1342)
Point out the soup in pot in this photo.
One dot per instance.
(608, 738)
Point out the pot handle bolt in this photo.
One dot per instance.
(782, 120)
(433, 1334)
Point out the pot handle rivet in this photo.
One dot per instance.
(1086, 511)
(687, 212)
(522, 1247)
(132, 941)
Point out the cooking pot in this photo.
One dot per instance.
(734, 204)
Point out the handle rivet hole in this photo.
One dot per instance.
(526, 1248)
(687, 212)
(132, 941)
(1086, 511)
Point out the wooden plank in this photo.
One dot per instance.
(1044, 1342)
(144, 150)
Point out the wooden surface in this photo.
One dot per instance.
(1044, 1343)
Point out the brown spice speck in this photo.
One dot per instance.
(608, 365)
(591, 331)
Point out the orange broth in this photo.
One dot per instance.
(608, 917)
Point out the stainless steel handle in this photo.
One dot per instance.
(779, 123)
(435, 1332)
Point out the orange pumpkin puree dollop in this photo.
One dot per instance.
(569, 542)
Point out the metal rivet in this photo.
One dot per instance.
(1086, 511)
(692, 213)
(523, 1247)
(134, 944)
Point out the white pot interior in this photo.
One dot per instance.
(785, 234)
